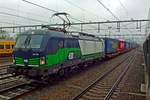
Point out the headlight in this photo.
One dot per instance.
(13, 60)
(42, 60)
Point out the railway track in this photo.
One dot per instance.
(76, 83)
(12, 87)
(3, 67)
(104, 86)
(3, 72)
(5, 61)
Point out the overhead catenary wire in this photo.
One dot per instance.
(73, 4)
(84, 23)
(84, 10)
(49, 9)
(108, 10)
(111, 12)
(22, 11)
(18, 16)
(126, 11)
(9, 23)
(40, 6)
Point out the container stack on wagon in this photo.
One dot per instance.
(111, 46)
(114, 47)
(127, 46)
(121, 47)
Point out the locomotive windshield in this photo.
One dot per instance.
(29, 41)
(35, 41)
(21, 41)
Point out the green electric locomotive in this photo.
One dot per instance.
(41, 53)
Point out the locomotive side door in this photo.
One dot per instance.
(61, 50)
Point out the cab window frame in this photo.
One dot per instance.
(7, 46)
(1, 46)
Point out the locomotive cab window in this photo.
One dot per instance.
(35, 41)
(12, 46)
(61, 44)
(21, 41)
(29, 41)
(52, 45)
(1, 46)
(7, 46)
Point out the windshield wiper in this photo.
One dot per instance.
(27, 42)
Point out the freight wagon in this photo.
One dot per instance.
(121, 47)
(111, 47)
(127, 46)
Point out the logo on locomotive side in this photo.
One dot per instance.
(71, 55)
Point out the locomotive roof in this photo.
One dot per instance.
(46, 32)
(59, 34)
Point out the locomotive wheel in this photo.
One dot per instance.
(14, 74)
(81, 66)
(66, 71)
(85, 65)
(51, 78)
(61, 72)
(45, 78)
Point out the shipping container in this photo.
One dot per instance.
(111, 45)
(127, 45)
(121, 47)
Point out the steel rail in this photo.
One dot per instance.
(5, 75)
(98, 79)
(22, 86)
(16, 91)
(113, 88)
(4, 61)
(3, 70)
(5, 66)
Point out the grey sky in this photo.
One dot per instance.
(85, 10)
(90, 10)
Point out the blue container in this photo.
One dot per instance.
(131, 45)
(111, 45)
(127, 45)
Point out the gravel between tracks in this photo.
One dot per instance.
(4, 61)
(69, 87)
(129, 88)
